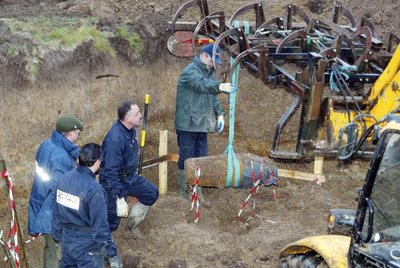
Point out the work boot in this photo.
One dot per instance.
(182, 185)
(136, 216)
(202, 199)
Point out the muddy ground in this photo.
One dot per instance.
(68, 84)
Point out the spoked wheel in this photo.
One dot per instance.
(310, 260)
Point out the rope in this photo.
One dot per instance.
(232, 159)
(246, 26)
(343, 72)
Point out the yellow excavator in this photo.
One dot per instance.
(373, 230)
(383, 100)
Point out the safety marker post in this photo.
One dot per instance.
(14, 233)
(195, 196)
(256, 185)
(254, 189)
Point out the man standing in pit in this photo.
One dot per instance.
(79, 218)
(55, 157)
(197, 107)
(119, 175)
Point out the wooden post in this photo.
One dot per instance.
(163, 167)
(318, 165)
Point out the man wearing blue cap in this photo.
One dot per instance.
(197, 108)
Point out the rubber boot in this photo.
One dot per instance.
(182, 185)
(136, 216)
(202, 199)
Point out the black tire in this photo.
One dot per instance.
(309, 260)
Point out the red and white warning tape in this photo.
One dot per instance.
(195, 196)
(254, 189)
(33, 238)
(317, 180)
(13, 248)
(256, 185)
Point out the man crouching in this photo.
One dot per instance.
(79, 217)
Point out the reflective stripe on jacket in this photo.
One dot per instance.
(55, 157)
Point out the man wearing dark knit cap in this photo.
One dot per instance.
(55, 157)
(198, 110)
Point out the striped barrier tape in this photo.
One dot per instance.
(13, 248)
(195, 196)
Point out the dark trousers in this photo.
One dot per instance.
(136, 186)
(191, 144)
(80, 250)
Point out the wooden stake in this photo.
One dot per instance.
(291, 174)
(318, 165)
(163, 167)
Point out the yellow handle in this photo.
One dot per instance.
(143, 138)
(147, 99)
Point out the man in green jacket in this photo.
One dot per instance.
(197, 107)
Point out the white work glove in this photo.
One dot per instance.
(226, 88)
(115, 262)
(220, 123)
(122, 207)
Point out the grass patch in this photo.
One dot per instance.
(134, 40)
(14, 50)
(62, 33)
(66, 33)
(55, 33)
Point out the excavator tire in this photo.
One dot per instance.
(309, 260)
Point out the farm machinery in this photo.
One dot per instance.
(370, 235)
(343, 79)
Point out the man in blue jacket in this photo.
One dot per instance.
(197, 107)
(79, 218)
(118, 174)
(55, 157)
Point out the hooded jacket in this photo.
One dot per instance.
(55, 157)
(197, 103)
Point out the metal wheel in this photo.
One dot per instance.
(309, 260)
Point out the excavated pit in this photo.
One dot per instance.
(91, 85)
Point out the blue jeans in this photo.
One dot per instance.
(191, 144)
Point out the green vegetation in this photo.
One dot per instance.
(134, 40)
(15, 50)
(62, 33)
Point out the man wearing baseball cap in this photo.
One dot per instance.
(55, 157)
(198, 110)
